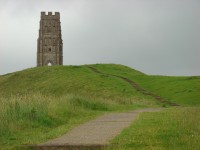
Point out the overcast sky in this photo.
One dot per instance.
(153, 36)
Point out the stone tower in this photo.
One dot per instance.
(49, 43)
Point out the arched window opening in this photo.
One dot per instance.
(49, 64)
(49, 49)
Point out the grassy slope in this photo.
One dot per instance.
(41, 103)
(182, 90)
(45, 102)
(61, 80)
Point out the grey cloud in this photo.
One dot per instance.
(156, 37)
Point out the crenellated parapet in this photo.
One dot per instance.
(50, 15)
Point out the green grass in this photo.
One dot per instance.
(177, 129)
(30, 119)
(41, 103)
(35, 118)
(38, 104)
(59, 80)
(182, 90)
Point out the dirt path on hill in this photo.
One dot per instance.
(137, 87)
(94, 134)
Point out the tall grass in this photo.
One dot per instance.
(33, 118)
(32, 113)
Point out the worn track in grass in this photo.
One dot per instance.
(137, 87)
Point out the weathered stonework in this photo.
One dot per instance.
(49, 43)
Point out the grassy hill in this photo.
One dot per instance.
(182, 90)
(41, 103)
(62, 80)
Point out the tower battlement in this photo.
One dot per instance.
(50, 14)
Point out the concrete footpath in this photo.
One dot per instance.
(94, 134)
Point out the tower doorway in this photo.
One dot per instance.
(49, 64)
